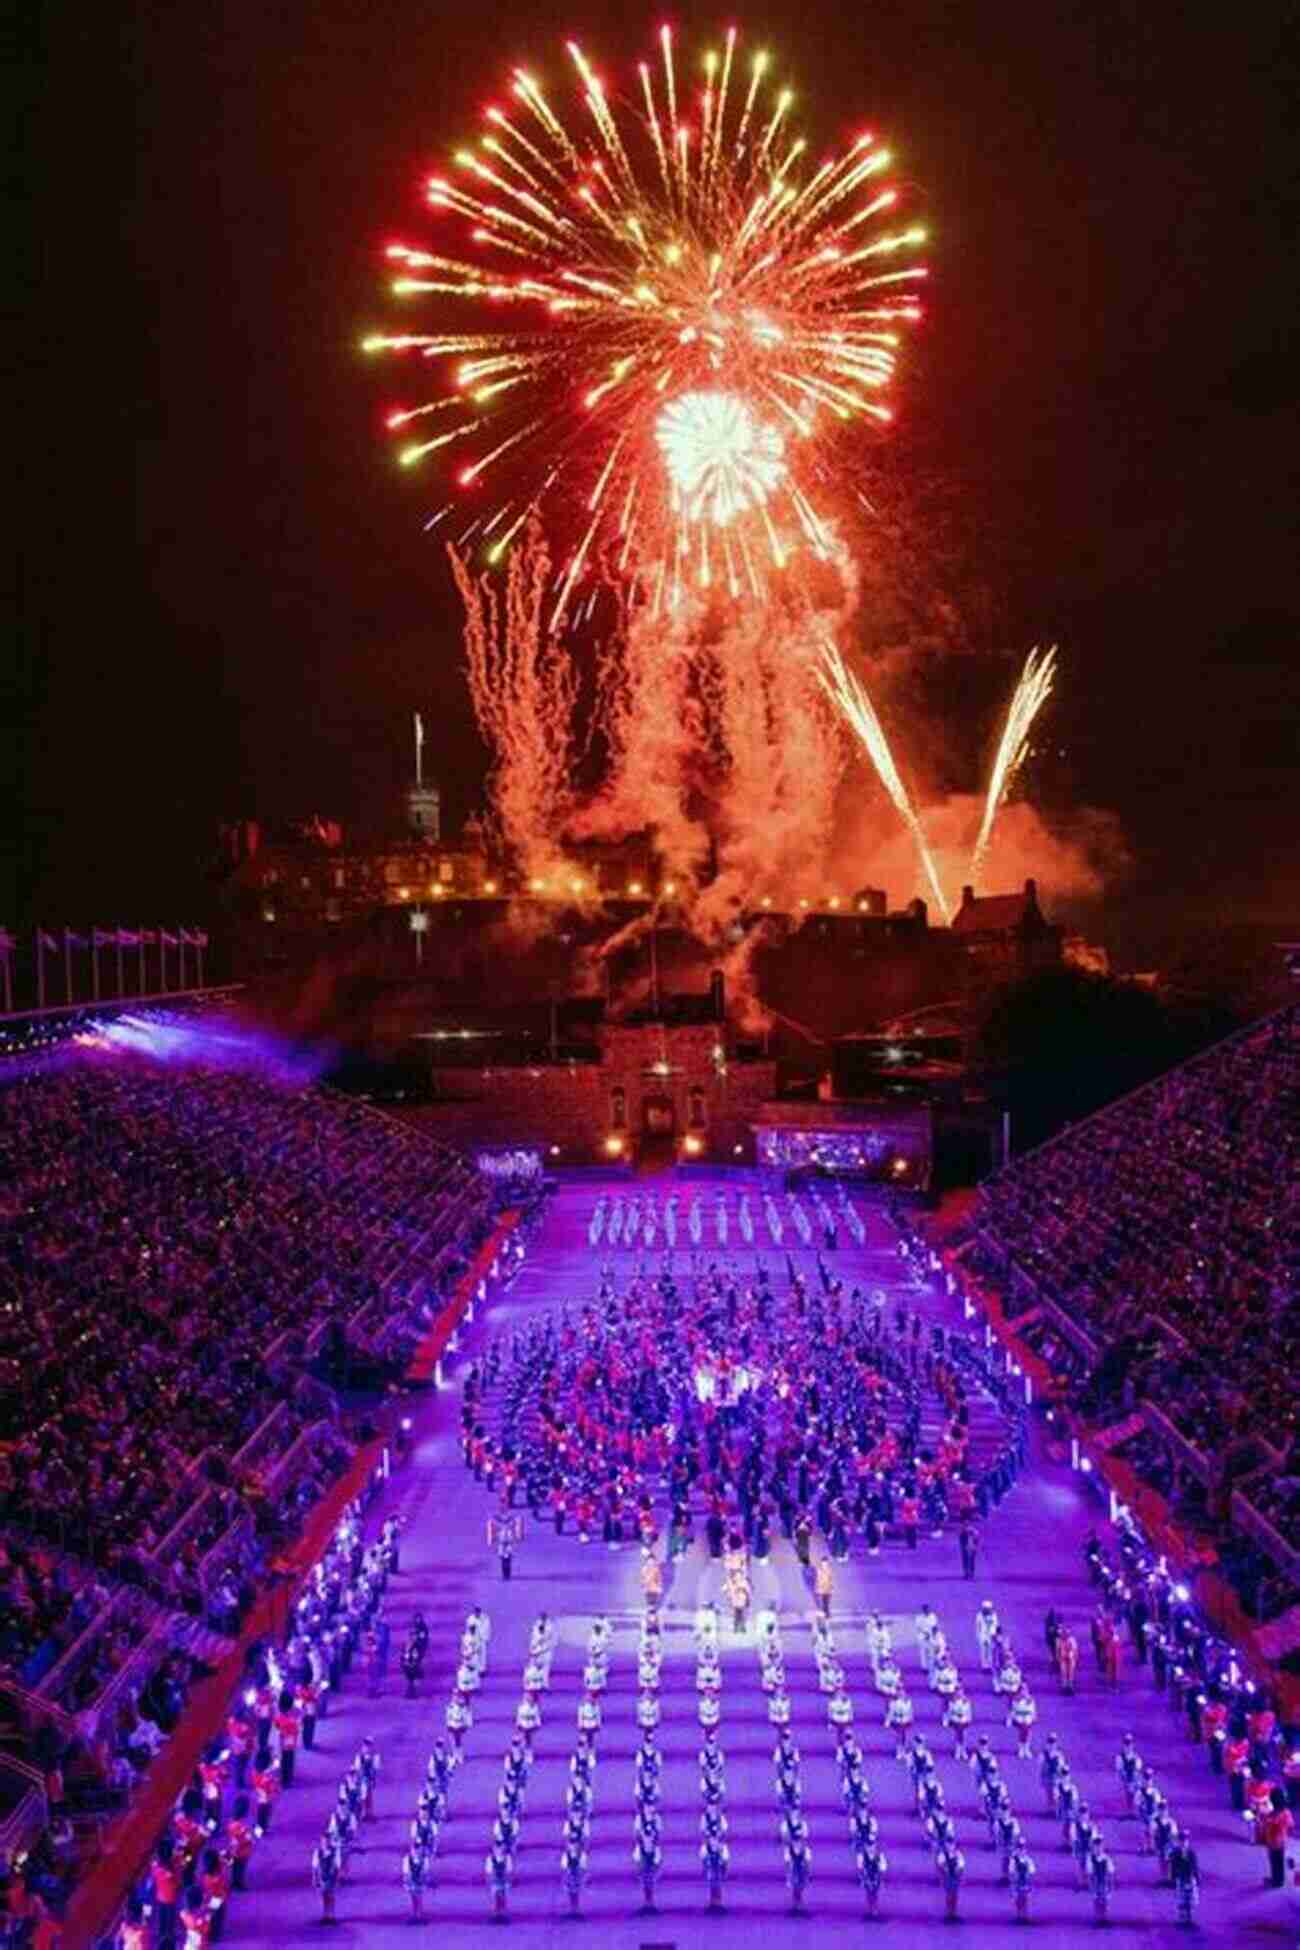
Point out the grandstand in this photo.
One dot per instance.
(196, 1260)
(1163, 1234)
(212, 1268)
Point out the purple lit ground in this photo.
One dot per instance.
(1031, 1558)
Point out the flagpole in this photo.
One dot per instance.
(180, 942)
(142, 960)
(162, 959)
(9, 983)
(40, 967)
(67, 961)
(94, 962)
(117, 946)
(199, 952)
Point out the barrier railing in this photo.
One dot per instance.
(292, 1461)
(228, 1546)
(1270, 1540)
(35, 1708)
(129, 1680)
(260, 1442)
(1026, 1294)
(162, 1557)
(1187, 1453)
(29, 1815)
(128, 1607)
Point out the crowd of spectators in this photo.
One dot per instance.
(1168, 1228)
(183, 1247)
(46, 1602)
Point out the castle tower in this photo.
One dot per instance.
(423, 802)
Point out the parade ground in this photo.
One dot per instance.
(1030, 1558)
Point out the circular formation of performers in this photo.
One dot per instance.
(713, 1398)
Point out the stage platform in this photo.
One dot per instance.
(1031, 1558)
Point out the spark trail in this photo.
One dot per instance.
(1028, 699)
(850, 695)
(524, 690)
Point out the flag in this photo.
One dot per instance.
(126, 939)
(147, 937)
(199, 938)
(71, 940)
(102, 937)
(168, 940)
(44, 940)
(8, 942)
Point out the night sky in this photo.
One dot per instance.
(227, 602)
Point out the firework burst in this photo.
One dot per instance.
(702, 309)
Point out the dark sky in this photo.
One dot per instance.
(227, 603)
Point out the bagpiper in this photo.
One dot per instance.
(714, 1858)
(798, 1858)
(1008, 1836)
(1128, 1765)
(415, 1876)
(871, 1873)
(326, 1868)
(951, 1866)
(573, 1868)
(497, 1871)
(1185, 1874)
(1164, 1832)
(1052, 1768)
(367, 1760)
(647, 1855)
(1101, 1875)
(1021, 1871)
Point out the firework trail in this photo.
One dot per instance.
(654, 726)
(849, 694)
(523, 688)
(1028, 699)
(702, 313)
